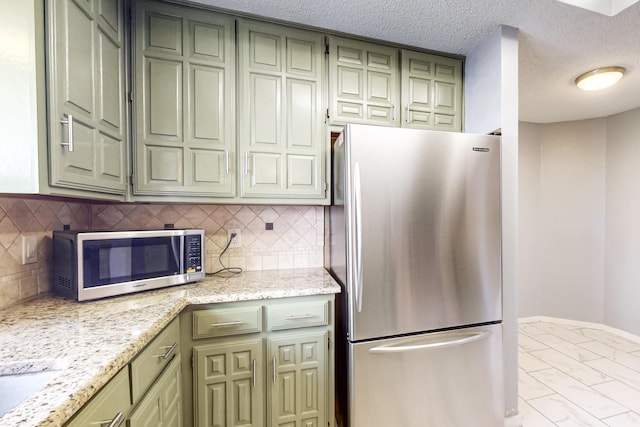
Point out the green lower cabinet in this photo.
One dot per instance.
(298, 390)
(162, 405)
(228, 383)
(109, 406)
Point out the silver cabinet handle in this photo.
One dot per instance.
(226, 160)
(447, 341)
(393, 113)
(253, 373)
(246, 163)
(69, 123)
(167, 353)
(116, 421)
(273, 365)
(357, 202)
(407, 114)
(231, 323)
(299, 316)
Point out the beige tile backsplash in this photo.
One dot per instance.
(296, 241)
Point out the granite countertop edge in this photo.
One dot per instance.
(89, 342)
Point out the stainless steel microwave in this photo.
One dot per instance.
(96, 264)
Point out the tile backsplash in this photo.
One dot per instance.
(296, 240)
(32, 217)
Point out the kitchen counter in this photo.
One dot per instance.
(88, 343)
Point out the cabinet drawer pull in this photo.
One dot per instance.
(231, 323)
(167, 353)
(226, 161)
(116, 421)
(299, 316)
(69, 123)
(273, 366)
(246, 163)
(253, 373)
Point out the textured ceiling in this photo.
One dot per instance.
(557, 42)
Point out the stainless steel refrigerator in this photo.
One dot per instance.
(414, 242)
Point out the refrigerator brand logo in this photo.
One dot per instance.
(481, 149)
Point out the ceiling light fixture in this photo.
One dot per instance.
(600, 78)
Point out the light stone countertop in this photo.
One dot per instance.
(89, 342)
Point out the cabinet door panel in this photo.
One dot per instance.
(185, 77)
(302, 113)
(112, 166)
(110, 18)
(164, 99)
(80, 50)
(302, 172)
(165, 164)
(86, 80)
(205, 90)
(266, 169)
(227, 383)
(281, 77)
(207, 41)
(364, 82)
(264, 115)
(431, 91)
(110, 82)
(298, 389)
(163, 34)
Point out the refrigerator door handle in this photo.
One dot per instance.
(357, 202)
(448, 340)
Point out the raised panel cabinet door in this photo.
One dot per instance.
(162, 404)
(431, 91)
(364, 82)
(298, 380)
(228, 383)
(184, 102)
(281, 91)
(86, 97)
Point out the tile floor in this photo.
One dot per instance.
(574, 374)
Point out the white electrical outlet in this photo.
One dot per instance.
(29, 249)
(236, 242)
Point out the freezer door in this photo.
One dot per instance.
(422, 214)
(445, 379)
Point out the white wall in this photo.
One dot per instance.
(622, 260)
(580, 220)
(491, 102)
(529, 294)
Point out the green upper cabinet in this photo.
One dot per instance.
(431, 91)
(86, 95)
(364, 79)
(184, 83)
(281, 96)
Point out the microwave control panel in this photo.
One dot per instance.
(193, 254)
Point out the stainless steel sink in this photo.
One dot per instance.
(21, 380)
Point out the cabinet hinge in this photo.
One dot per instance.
(326, 49)
(325, 187)
(130, 96)
(131, 180)
(326, 116)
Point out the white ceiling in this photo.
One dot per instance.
(557, 42)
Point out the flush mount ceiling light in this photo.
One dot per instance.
(605, 7)
(600, 78)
